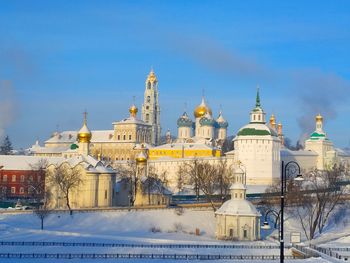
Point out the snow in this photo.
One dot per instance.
(170, 226)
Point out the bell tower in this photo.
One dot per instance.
(150, 107)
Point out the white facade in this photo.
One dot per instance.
(258, 147)
(237, 218)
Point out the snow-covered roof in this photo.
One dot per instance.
(256, 129)
(131, 120)
(88, 162)
(180, 146)
(24, 162)
(71, 136)
(238, 207)
(343, 152)
(287, 152)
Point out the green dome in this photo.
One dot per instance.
(74, 146)
(184, 121)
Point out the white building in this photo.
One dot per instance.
(257, 146)
(237, 218)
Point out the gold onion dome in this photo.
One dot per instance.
(319, 117)
(84, 134)
(151, 76)
(133, 110)
(202, 109)
(141, 158)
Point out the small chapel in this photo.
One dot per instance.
(237, 218)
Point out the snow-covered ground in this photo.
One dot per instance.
(125, 227)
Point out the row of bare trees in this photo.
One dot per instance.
(207, 178)
(150, 181)
(314, 201)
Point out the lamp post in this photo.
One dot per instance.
(292, 168)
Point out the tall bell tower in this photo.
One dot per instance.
(150, 107)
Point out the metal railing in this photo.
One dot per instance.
(143, 256)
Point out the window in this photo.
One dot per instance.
(4, 178)
(13, 190)
(124, 137)
(147, 117)
(148, 98)
(4, 190)
(31, 178)
(105, 194)
(118, 137)
(14, 178)
(147, 107)
(21, 190)
(39, 178)
(22, 178)
(231, 232)
(130, 137)
(245, 233)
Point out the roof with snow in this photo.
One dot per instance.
(238, 207)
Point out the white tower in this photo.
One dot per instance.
(222, 125)
(150, 107)
(184, 125)
(258, 147)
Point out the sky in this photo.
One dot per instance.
(60, 58)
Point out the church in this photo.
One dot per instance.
(128, 137)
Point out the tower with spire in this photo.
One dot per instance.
(84, 138)
(151, 108)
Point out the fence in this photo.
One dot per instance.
(143, 256)
(332, 252)
(87, 244)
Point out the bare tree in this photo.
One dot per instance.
(129, 173)
(207, 178)
(36, 186)
(42, 211)
(317, 199)
(65, 179)
(154, 183)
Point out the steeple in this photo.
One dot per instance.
(151, 108)
(84, 138)
(257, 101)
(257, 115)
(319, 124)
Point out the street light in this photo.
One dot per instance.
(266, 225)
(291, 168)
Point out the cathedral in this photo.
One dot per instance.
(202, 137)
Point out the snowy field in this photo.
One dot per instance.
(165, 227)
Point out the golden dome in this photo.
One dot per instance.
(133, 110)
(202, 109)
(319, 117)
(141, 158)
(151, 76)
(84, 134)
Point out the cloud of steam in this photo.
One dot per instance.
(7, 105)
(318, 92)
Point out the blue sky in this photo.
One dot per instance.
(58, 58)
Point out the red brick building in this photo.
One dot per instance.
(21, 177)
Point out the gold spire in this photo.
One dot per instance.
(273, 121)
(84, 134)
(151, 76)
(319, 118)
